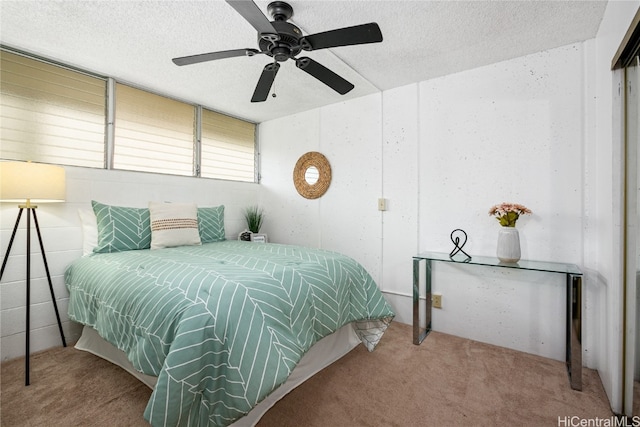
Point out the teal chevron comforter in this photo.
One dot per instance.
(223, 324)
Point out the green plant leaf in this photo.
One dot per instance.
(254, 216)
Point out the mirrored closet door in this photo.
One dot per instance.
(632, 259)
(633, 138)
(626, 68)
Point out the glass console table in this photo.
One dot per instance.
(573, 300)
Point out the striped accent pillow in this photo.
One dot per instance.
(173, 224)
(211, 224)
(121, 228)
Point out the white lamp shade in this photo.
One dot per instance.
(36, 182)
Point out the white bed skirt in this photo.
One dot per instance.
(321, 355)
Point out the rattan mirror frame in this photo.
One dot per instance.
(307, 160)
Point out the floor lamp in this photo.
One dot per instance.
(26, 183)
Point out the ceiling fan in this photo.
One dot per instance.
(282, 40)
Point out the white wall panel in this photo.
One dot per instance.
(350, 138)
(346, 218)
(400, 222)
(522, 310)
(508, 132)
(289, 217)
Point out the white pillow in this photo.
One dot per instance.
(89, 230)
(173, 224)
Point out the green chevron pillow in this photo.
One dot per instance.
(121, 228)
(211, 224)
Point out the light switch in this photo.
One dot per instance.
(382, 204)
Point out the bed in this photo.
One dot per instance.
(217, 328)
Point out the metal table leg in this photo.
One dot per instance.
(574, 330)
(418, 334)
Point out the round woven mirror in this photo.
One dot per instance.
(312, 175)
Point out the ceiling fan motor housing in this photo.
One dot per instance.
(289, 44)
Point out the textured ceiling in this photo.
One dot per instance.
(134, 41)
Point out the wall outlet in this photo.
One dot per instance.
(436, 301)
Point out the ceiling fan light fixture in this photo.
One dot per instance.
(281, 53)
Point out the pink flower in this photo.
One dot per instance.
(508, 213)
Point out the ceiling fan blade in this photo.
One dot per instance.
(264, 83)
(359, 34)
(252, 13)
(324, 74)
(194, 59)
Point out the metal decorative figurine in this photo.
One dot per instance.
(455, 238)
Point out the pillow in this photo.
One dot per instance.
(89, 230)
(211, 224)
(173, 224)
(121, 229)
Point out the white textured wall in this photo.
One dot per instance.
(508, 132)
(288, 218)
(346, 218)
(62, 239)
(400, 172)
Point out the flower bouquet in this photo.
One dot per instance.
(508, 213)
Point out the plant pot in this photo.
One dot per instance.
(508, 244)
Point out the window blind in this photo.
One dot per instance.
(152, 133)
(227, 147)
(50, 114)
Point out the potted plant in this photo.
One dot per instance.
(254, 216)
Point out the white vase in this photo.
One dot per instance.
(508, 244)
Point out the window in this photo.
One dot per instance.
(227, 148)
(50, 114)
(153, 133)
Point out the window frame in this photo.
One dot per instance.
(111, 120)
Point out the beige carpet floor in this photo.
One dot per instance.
(446, 381)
